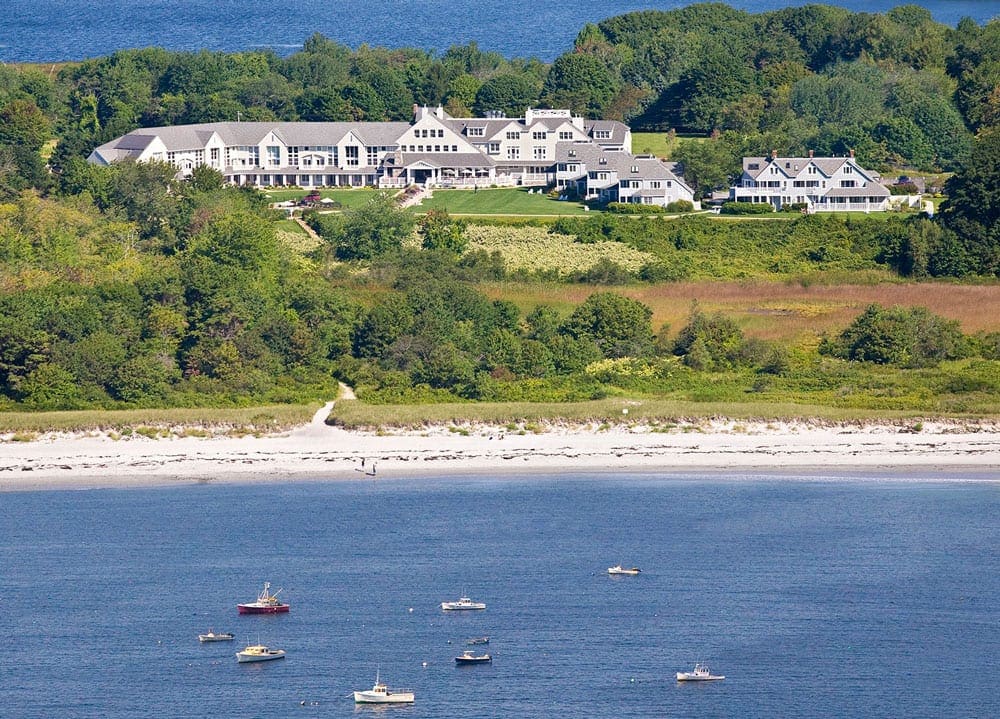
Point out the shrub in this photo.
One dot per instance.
(680, 206)
(633, 208)
(746, 208)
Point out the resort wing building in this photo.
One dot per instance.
(819, 183)
(590, 159)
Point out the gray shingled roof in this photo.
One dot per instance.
(467, 159)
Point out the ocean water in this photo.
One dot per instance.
(53, 30)
(818, 598)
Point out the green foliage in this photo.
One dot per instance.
(633, 208)
(710, 342)
(747, 208)
(368, 231)
(618, 325)
(680, 206)
(907, 337)
(438, 231)
(972, 210)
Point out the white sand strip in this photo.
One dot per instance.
(319, 451)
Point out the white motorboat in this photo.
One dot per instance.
(259, 653)
(467, 657)
(381, 694)
(701, 673)
(619, 569)
(463, 603)
(213, 636)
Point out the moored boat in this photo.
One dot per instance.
(462, 603)
(381, 694)
(478, 640)
(619, 569)
(213, 636)
(467, 657)
(701, 673)
(266, 603)
(258, 653)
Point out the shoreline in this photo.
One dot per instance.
(932, 450)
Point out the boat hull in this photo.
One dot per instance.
(242, 658)
(252, 609)
(369, 697)
(474, 660)
(215, 637)
(685, 677)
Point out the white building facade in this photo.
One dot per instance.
(434, 150)
(820, 184)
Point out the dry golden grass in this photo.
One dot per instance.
(778, 311)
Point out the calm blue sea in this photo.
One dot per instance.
(818, 598)
(52, 30)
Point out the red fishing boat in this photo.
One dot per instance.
(266, 603)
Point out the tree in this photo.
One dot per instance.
(373, 229)
(709, 341)
(618, 325)
(972, 209)
(907, 337)
(440, 232)
(508, 93)
(581, 82)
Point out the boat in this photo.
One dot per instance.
(467, 657)
(215, 637)
(701, 673)
(259, 653)
(266, 603)
(478, 640)
(463, 603)
(381, 694)
(619, 569)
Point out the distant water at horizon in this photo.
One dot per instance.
(848, 598)
(57, 30)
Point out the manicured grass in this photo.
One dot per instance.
(653, 143)
(351, 197)
(242, 420)
(290, 226)
(498, 202)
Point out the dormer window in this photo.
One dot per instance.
(475, 132)
(753, 166)
(635, 168)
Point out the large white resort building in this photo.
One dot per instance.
(591, 158)
(818, 183)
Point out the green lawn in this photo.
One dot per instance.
(659, 143)
(346, 197)
(498, 202)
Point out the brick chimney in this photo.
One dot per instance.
(851, 152)
(774, 154)
(810, 154)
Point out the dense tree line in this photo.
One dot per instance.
(123, 286)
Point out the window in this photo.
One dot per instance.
(437, 148)
(602, 134)
(538, 135)
(753, 166)
(214, 155)
(351, 155)
(655, 185)
(635, 168)
(372, 156)
(538, 152)
(848, 169)
(454, 148)
(847, 183)
(475, 132)
(565, 135)
(513, 135)
(293, 155)
(513, 153)
(493, 148)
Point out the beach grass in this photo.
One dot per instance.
(531, 416)
(249, 420)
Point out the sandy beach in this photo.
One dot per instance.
(318, 451)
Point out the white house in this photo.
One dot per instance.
(818, 183)
(433, 150)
